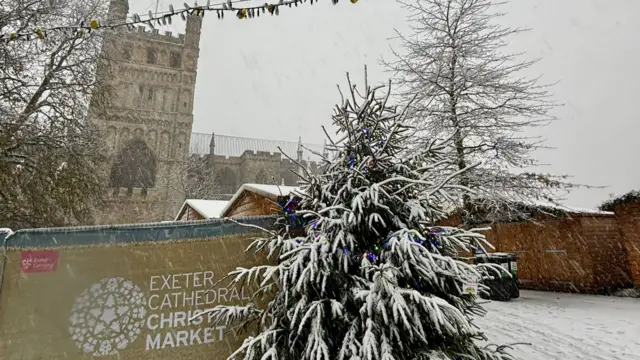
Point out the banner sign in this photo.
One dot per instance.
(38, 261)
(134, 301)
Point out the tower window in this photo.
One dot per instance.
(127, 52)
(152, 56)
(175, 61)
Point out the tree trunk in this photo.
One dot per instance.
(458, 141)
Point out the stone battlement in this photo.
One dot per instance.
(314, 165)
(135, 194)
(260, 156)
(166, 36)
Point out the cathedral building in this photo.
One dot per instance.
(149, 78)
(146, 123)
(237, 160)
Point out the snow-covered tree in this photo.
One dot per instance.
(373, 277)
(471, 88)
(50, 156)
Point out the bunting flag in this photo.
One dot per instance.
(162, 18)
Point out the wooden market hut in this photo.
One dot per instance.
(256, 200)
(196, 209)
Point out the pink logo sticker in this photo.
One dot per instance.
(38, 261)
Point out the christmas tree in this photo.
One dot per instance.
(373, 277)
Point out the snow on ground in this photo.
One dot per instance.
(566, 326)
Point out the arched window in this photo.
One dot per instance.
(262, 177)
(289, 178)
(152, 139)
(125, 136)
(111, 137)
(169, 100)
(185, 102)
(165, 150)
(226, 179)
(181, 144)
(135, 167)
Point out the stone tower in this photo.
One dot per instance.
(147, 121)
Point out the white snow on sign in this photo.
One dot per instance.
(565, 326)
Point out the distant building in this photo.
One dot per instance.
(235, 161)
(146, 118)
(147, 127)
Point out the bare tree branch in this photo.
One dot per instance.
(461, 84)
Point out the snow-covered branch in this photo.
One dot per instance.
(50, 156)
(375, 276)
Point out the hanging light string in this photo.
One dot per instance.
(164, 18)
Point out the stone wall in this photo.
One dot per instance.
(136, 210)
(254, 167)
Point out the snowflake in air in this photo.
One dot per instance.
(107, 316)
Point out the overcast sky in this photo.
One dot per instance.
(275, 77)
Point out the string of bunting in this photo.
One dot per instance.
(164, 18)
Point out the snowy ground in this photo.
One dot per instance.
(566, 327)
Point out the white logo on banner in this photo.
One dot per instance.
(107, 316)
(111, 314)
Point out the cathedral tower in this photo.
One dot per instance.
(147, 124)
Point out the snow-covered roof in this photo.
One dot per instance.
(268, 191)
(548, 205)
(570, 209)
(208, 209)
